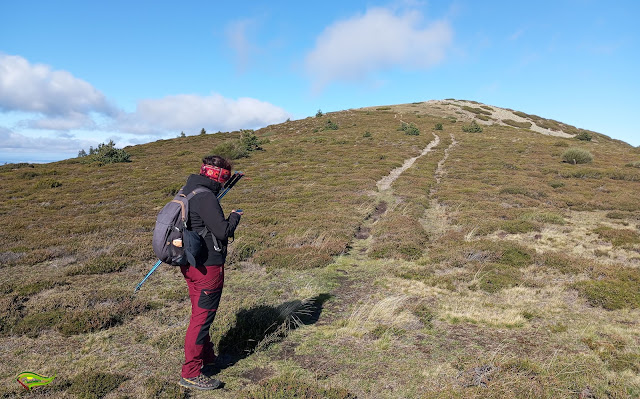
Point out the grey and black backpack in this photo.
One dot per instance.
(173, 242)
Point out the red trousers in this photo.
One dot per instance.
(205, 288)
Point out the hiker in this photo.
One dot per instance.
(205, 279)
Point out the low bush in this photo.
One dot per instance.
(523, 125)
(519, 226)
(635, 164)
(319, 113)
(478, 111)
(498, 277)
(94, 385)
(283, 387)
(330, 125)
(239, 148)
(438, 126)
(473, 127)
(105, 154)
(100, 265)
(577, 156)
(611, 294)
(624, 238)
(583, 136)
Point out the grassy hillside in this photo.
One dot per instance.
(488, 268)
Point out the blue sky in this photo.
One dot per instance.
(78, 73)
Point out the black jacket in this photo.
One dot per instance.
(205, 211)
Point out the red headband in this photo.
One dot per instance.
(215, 173)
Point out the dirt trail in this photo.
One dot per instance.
(435, 220)
(385, 183)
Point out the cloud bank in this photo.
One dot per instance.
(60, 106)
(192, 112)
(355, 48)
(61, 97)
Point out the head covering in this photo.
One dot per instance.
(215, 173)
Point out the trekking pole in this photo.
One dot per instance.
(228, 186)
(232, 182)
(153, 269)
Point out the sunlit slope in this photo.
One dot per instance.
(489, 230)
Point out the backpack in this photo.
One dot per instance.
(172, 242)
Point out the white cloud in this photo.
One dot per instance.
(353, 49)
(38, 88)
(190, 113)
(74, 120)
(11, 141)
(63, 99)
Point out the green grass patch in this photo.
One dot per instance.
(543, 217)
(294, 387)
(95, 384)
(497, 277)
(624, 238)
(519, 226)
(100, 265)
(617, 290)
(477, 111)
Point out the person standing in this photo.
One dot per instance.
(205, 279)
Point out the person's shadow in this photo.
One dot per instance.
(261, 326)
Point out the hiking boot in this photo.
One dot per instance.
(200, 382)
(210, 369)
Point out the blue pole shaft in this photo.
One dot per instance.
(153, 269)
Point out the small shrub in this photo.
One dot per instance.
(102, 264)
(158, 388)
(438, 126)
(409, 129)
(498, 278)
(523, 125)
(425, 314)
(230, 149)
(319, 113)
(519, 226)
(330, 125)
(94, 385)
(514, 255)
(249, 141)
(635, 164)
(473, 127)
(611, 294)
(514, 191)
(560, 143)
(556, 184)
(288, 387)
(203, 132)
(367, 134)
(106, 154)
(478, 111)
(48, 183)
(577, 156)
(583, 136)
(624, 238)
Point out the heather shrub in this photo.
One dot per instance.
(583, 136)
(473, 127)
(105, 154)
(576, 156)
